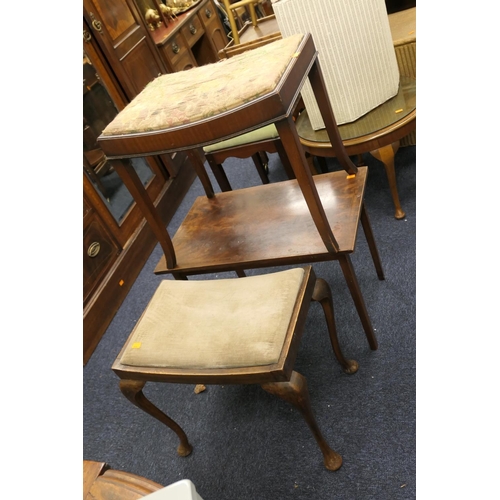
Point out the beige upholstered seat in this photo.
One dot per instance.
(215, 324)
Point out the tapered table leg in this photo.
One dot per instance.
(359, 301)
(367, 229)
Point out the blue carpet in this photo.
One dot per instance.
(250, 445)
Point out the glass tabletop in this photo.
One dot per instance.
(388, 113)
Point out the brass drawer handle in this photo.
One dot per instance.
(208, 13)
(175, 48)
(192, 29)
(93, 249)
(95, 23)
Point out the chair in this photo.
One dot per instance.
(222, 332)
(253, 144)
(293, 222)
(253, 34)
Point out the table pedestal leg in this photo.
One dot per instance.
(386, 156)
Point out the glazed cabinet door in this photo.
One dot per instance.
(116, 239)
(120, 32)
(103, 98)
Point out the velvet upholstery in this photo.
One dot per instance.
(215, 324)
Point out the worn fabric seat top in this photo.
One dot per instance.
(191, 96)
(215, 323)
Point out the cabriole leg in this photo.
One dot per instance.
(295, 392)
(132, 390)
(386, 156)
(323, 294)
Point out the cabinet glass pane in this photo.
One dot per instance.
(98, 110)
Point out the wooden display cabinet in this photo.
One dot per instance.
(119, 59)
(192, 38)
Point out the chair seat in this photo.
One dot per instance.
(187, 97)
(227, 323)
(230, 231)
(266, 133)
(207, 104)
(266, 27)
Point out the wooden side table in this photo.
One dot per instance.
(378, 132)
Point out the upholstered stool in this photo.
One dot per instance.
(223, 332)
(278, 224)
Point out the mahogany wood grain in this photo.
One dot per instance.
(325, 106)
(266, 225)
(120, 32)
(102, 306)
(296, 156)
(323, 294)
(386, 155)
(132, 390)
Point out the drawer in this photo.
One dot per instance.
(185, 61)
(192, 31)
(214, 32)
(174, 49)
(207, 14)
(99, 253)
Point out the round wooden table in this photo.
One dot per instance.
(378, 132)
